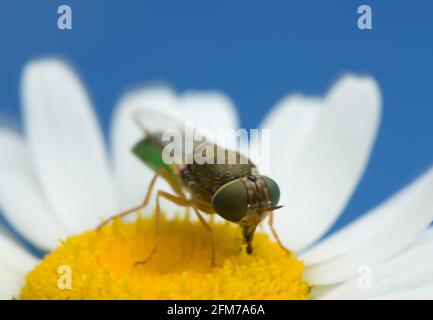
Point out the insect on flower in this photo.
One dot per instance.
(232, 189)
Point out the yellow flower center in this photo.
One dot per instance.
(100, 265)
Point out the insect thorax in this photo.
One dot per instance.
(203, 180)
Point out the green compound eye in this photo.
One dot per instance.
(274, 190)
(231, 201)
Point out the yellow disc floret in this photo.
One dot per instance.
(100, 265)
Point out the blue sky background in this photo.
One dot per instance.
(254, 51)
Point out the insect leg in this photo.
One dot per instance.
(209, 229)
(135, 209)
(274, 232)
(178, 200)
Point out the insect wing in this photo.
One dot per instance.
(165, 130)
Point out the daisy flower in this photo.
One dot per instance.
(57, 183)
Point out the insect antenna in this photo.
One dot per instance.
(272, 208)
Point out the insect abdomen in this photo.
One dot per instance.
(150, 154)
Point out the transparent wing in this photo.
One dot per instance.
(179, 138)
(155, 123)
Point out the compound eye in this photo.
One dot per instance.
(231, 201)
(274, 190)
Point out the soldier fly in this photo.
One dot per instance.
(234, 191)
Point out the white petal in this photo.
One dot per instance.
(329, 157)
(427, 235)
(352, 235)
(131, 174)
(407, 280)
(212, 111)
(21, 196)
(411, 267)
(290, 122)
(207, 110)
(408, 221)
(421, 293)
(9, 289)
(416, 276)
(66, 144)
(15, 263)
(318, 292)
